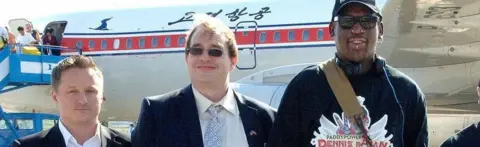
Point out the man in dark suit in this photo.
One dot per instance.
(207, 112)
(468, 136)
(77, 89)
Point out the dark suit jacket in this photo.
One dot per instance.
(54, 138)
(171, 120)
(467, 137)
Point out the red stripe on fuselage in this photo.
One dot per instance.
(71, 41)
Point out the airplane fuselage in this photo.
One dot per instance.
(141, 52)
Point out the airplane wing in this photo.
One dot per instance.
(430, 33)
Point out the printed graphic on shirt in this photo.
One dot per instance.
(344, 133)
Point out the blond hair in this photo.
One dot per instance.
(213, 25)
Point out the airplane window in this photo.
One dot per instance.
(79, 44)
(167, 41)
(276, 36)
(116, 44)
(305, 35)
(141, 43)
(320, 34)
(291, 35)
(154, 42)
(181, 40)
(91, 44)
(104, 44)
(263, 37)
(129, 43)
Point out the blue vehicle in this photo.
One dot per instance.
(23, 124)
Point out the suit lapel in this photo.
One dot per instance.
(190, 119)
(247, 114)
(54, 138)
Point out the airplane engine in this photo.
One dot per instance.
(270, 94)
(269, 85)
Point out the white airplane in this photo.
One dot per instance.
(141, 51)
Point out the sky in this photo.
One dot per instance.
(39, 8)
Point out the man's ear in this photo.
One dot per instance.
(186, 56)
(54, 96)
(380, 31)
(331, 28)
(234, 61)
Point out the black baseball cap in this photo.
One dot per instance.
(340, 4)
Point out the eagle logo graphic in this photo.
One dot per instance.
(344, 132)
(103, 25)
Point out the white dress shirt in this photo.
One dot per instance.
(232, 133)
(70, 141)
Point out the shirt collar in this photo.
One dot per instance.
(67, 136)
(228, 102)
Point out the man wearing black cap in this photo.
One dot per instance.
(392, 107)
(468, 136)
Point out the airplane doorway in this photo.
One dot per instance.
(246, 31)
(58, 29)
(13, 25)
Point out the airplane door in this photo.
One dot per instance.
(246, 32)
(13, 24)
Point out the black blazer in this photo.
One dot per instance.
(54, 138)
(171, 120)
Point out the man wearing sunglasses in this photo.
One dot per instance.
(394, 110)
(207, 112)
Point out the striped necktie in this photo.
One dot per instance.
(212, 134)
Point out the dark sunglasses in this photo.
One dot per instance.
(211, 52)
(367, 22)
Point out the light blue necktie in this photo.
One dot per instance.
(212, 133)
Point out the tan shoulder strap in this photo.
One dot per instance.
(342, 89)
(345, 95)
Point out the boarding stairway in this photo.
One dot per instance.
(25, 67)
(22, 67)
